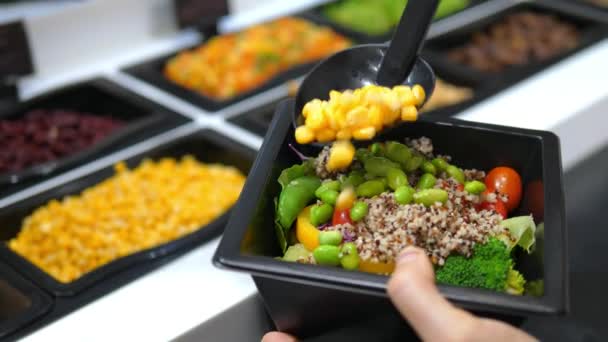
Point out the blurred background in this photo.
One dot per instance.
(88, 84)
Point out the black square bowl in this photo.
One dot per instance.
(305, 299)
(591, 30)
(206, 145)
(101, 97)
(151, 71)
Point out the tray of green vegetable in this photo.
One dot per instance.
(374, 20)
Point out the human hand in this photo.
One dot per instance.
(413, 291)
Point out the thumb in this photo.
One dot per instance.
(413, 291)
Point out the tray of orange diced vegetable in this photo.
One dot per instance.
(231, 67)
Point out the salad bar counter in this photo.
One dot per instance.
(113, 199)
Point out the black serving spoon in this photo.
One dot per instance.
(383, 64)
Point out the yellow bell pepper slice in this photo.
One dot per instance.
(376, 267)
(307, 234)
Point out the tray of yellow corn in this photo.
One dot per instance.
(159, 203)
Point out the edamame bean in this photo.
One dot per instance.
(413, 163)
(350, 256)
(329, 196)
(349, 248)
(320, 213)
(377, 149)
(331, 238)
(363, 155)
(428, 167)
(331, 185)
(396, 178)
(474, 187)
(379, 166)
(427, 181)
(327, 255)
(455, 173)
(353, 179)
(440, 164)
(397, 152)
(370, 188)
(350, 262)
(428, 197)
(358, 211)
(404, 194)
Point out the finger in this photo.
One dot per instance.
(275, 336)
(413, 291)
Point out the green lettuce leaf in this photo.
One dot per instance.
(296, 252)
(522, 232)
(305, 169)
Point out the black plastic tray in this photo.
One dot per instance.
(361, 37)
(20, 301)
(257, 120)
(205, 145)
(326, 294)
(151, 71)
(592, 31)
(100, 97)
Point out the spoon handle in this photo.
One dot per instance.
(407, 42)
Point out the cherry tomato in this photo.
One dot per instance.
(341, 217)
(498, 206)
(534, 199)
(506, 181)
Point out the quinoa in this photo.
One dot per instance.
(423, 145)
(441, 229)
(321, 164)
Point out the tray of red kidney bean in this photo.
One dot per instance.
(74, 125)
(45, 135)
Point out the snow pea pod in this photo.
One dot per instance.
(294, 197)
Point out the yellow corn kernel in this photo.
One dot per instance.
(341, 155)
(357, 117)
(405, 95)
(334, 96)
(316, 120)
(344, 134)
(366, 133)
(376, 117)
(391, 101)
(311, 106)
(325, 135)
(304, 135)
(409, 113)
(346, 199)
(419, 94)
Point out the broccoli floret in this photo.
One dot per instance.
(515, 282)
(487, 268)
